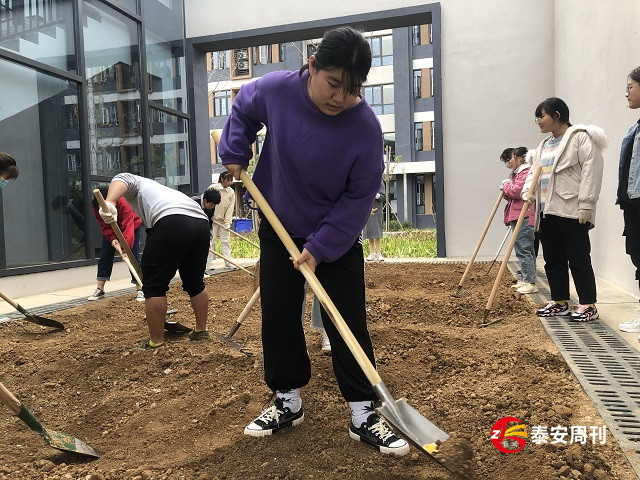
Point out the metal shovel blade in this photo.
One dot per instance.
(409, 423)
(47, 322)
(68, 443)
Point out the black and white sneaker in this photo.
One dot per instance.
(377, 433)
(97, 294)
(584, 313)
(553, 309)
(274, 418)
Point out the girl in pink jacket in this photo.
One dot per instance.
(512, 189)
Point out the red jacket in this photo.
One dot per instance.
(128, 222)
(512, 191)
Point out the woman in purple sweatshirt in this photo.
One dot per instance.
(320, 169)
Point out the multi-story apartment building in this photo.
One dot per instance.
(399, 89)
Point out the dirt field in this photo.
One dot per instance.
(179, 412)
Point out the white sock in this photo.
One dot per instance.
(360, 411)
(291, 399)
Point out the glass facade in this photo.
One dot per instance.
(77, 109)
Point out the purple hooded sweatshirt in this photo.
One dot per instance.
(319, 173)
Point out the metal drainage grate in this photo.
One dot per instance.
(609, 371)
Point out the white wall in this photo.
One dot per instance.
(500, 58)
(596, 48)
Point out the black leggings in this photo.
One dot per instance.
(175, 243)
(631, 235)
(286, 360)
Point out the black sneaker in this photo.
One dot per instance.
(377, 433)
(97, 294)
(273, 419)
(584, 313)
(553, 309)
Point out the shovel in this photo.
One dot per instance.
(245, 313)
(478, 245)
(405, 419)
(504, 240)
(30, 317)
(503, 265)
(59, 440)
(130, 260)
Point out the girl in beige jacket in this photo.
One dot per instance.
(566, 196)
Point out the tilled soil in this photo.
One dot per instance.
(179, 412)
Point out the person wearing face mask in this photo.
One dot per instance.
(319, 169)
(629, 186)
(8, 169)
(567, 192)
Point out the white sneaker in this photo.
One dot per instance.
(140, 296)
(632, 326)
(325, 344)
(370, 258)
(518, 284)
(380, 258)
(97, 294)
(527, 288)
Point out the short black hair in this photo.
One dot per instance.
(520, 151)
(345, 48)
(104, 189)
(635, 75)
(212, 196)
(225, 176)
(553, 106)
(505, 156)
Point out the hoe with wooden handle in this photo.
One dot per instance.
(405, 419)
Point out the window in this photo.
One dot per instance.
(417, 84)
(420, 194)
(259, 144)
(390, 142)
(220, 60)
(311, 50)
(422, 83)
(421, 35)
(417, 136)
(241, 67)
(282, 47)
(415, 35)
(380, 97)
(381, 50)
(433, 194)
(221, 102)
(262, 55)
(433, 135)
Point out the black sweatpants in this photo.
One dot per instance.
(175, 243)
(286, 360)
(565, 244)
(631, 235)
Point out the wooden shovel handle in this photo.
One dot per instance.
(237, 234)
(131, 268)
(482, 235)
(362, 359)
(9, 300)
(118, 232)
(514, 236)
(9, 400)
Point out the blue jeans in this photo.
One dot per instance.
(525, 251)
(107, 252)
